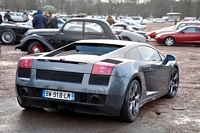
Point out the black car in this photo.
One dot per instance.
(11, 32)
(41, 40)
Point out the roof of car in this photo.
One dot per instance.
(190, 22)
(87, 19)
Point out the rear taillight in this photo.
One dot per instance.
(25, 63)
(103, 68)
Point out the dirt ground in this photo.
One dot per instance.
(180, 114)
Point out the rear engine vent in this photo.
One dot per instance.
(111, 61)
(24, 72)
(99, 79)
(59, 76)
(62, 61)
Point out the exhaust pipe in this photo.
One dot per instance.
(24, 91)
(95, 99)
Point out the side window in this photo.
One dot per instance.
(190, 30)
(133, 54)
(149, 54)
(74, 26)
(93, 27)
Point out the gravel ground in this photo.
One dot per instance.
(180, 114)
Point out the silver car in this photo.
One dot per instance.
(105, 77)
(134, 25)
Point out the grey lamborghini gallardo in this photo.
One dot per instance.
(104, 77)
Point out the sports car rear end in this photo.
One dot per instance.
(72, 80)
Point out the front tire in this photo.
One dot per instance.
(169, 41)
(8, 36)
(35, 47)
(131, 106)
(173, 83)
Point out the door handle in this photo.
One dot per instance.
(103, 36)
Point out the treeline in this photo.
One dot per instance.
(156, 8)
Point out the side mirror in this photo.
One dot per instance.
(183, 32)
(168, 58)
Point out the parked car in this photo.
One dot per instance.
(165, 18)
(103, 77)
(138, 19)
(119, 27)
(17, 16)
(186, 35)
(41, 40)
(66, 17)
(134, 25)
(158, 20)
(11, 32)
(173, 28)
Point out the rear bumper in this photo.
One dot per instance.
(89, 108)
(82, 103)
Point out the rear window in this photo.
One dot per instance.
(95, 49)
(92, 49)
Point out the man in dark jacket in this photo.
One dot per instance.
(39, 20)
(7, 16)
(1, 20)
(54, 21)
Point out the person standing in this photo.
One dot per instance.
(1, 20)
(54, 21)
(7, 16)
(110, 20)
(48, 19)
(39, 21)
(25, 16)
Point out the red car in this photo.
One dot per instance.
(185, 35)
(152, 34)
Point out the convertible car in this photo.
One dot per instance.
(105, 77)
(186, 35)
(11, 32)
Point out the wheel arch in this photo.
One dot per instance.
(46, 46)
(126, 37)
(168, 37)
(134, 77)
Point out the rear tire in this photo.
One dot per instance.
(35, 47)
(8, 36)
(131, 105)
(169, 41)
(173, 83)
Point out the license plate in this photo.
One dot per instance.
(58, 95)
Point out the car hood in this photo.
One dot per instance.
(168, 33)
(17, 25)
(42, 31)
(164, 31)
